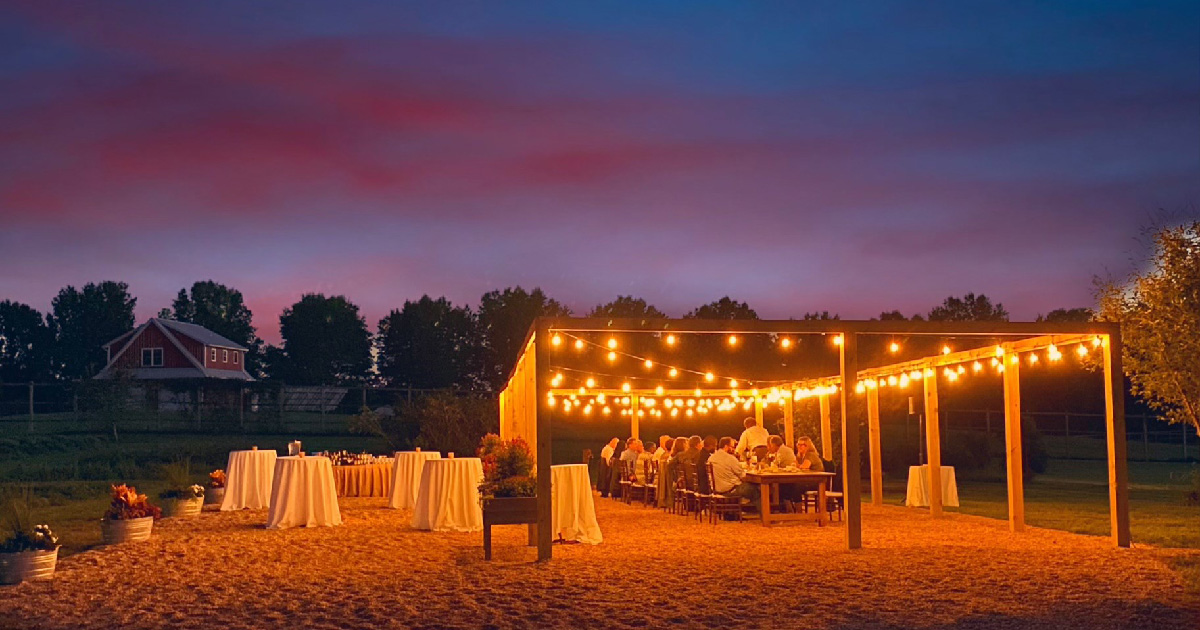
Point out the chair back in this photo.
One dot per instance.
(648, 468)
(836, 484)
(689, 476)
(680, 475)
(712, 479)
(760, 452)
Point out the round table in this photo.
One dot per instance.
(574, 509)
(448, 498)
(364, 480)
(248, 477)
(406, 477)
(303, 494)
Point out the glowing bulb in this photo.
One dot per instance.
(1096, 342)
(892, 380)
(961, 370)
(733, 340)
(733, 382)
(903, 381)
(668, 402)
(612, 356)
(670, 340)
(556, 340)
(612, 343)
(587, 411)
(945, 349)
(754, 393)
(1033, 358)
(977, 366)
(999, 351)
(649, 364)
(625, 401)
(625, 388)
(607, 411)
(582, 391)
(591, 382)
(673, 373)
(837, 341)
(860, 388)
(697, 393)
(928, 373)
(551, 401)
(690, 413)
(659, 390)
(1083, 351)
(1015, 359)
(915, 375)
(709, 376)
(786, 342)
(895, 347)
(953, 376)
(1053, 353)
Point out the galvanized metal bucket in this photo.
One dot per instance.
(119, 531)
(27, 566)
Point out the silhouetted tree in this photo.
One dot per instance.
(426, 344)
(82, 321)
(1081, 314)
(25, 344)
(970, 307)
(627, 306)
(325, 341)
(504, 320)
(724, 308)
(222, 310)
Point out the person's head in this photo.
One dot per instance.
(748, 422)
(679, 446)
(614, 442)
(629, 442)
(726, 444)
(804, 445)
(773, 444)
(710, 444)
(637, 446)
(664, 441)
(651, 447)
(694, 442)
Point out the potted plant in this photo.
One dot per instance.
(216, 488)
(509, 488)
(31, 551)
(182, 497)
(129, 517)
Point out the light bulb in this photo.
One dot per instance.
(625, 387)
(579, 344)
(733, 340)
(785, 343)
(733, 382)
(556, 340)
(612, 356)
(591, 382)
(673, 373)
(837, 341)
(709, 376)
(649, 364)
(659, 390)
(612, 343)
(670, 340)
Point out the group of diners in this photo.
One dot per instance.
(712, 466)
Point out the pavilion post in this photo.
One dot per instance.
(541, 361)
(1114, 412)
(1014, 454)
(875, 446)
(789, 422)
(826, 429)
(758, 411)
(634, 421)
(933, 441)
(851, 468)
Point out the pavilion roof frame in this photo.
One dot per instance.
(530, 387)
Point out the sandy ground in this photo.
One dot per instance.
(654, 569)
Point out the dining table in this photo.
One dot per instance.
(768, 478)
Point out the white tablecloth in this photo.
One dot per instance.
(918, 487)
(248, 478)
(574, 510)
(406, 477)
(303, 494)
(448, 498)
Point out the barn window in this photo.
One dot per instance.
(235, 357)
(214, 355)
(152, 357)
(224, 356)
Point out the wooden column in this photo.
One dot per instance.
(504, 421)
(1114, 412)
(933, 442)
(541, 360)
(634, 421)
(758, 411)
(874, 445)
(1014, 455)
(851, 475)
(826, 429)
(789, 422)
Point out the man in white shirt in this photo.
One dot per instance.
(753, 437)
(606, 453)
(728, 476)
(604, 483)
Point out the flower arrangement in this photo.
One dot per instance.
(216, 479)
(179, 482)
(507, 468)
(127, 504)
(23, 537)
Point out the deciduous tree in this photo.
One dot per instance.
(426, 344)
(25, 344)
(222, 310)
(504, 321)
(968, 308)
(627, 306)
(325, 342)
(724, 308)
(83, 320)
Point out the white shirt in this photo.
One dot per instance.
(606, 453)
(753, 437)
(727, 472)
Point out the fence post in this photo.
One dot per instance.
(31, 420)
(1145, 440)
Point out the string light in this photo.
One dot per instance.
(556, 340)
(945, 349)
(1033, 358)
(670, 340)
(625, 387)
(612, 343)
(709, 376)
(550, 400)
(673, 373)
(1083, 351)
(579, 344)
(838, 340)
(977, 366)
(697, 393)
(659, 390)
(733, 382)
(612, 356)
(591, 382)
(1053, 353)
(895, 347)
(733, 340)
(649, 364)
(785, 343)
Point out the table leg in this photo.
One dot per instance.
(822, 515)
(765, 504)
(487, 541)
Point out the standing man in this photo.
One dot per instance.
(753, 437)
(606, 456)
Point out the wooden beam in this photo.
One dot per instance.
(826, 427)
(758, 411)
(829, 328)
(851, 475)
(933, 441)
(874, 446)
(1114, 415)
(542, 424)
(634, 421)
(504, 421)
(1014, 454)
(789, 422)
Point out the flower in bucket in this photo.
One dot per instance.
(22, 537)
(216, 479)
(127, 504)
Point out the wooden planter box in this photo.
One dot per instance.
(27, 566)
(183, 507)
(508, 511)
(214, 496)
(114, 532)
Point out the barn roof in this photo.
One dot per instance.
(199, 333)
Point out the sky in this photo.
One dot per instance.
(849, 157)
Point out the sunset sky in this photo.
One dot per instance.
(852, 157)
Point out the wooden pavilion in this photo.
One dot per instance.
(542, 386)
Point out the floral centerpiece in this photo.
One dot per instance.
(30, 552)
(507, 468)
(130, 516)
(216, 488)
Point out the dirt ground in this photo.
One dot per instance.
(653, 570)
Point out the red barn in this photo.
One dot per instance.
(163, 349)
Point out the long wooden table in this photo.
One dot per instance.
(767, 479)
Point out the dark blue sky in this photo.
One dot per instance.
(859, 158)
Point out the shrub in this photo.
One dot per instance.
(179, 481)
(1033, 449)
(967, 450)
(507, 467)
(128, 504)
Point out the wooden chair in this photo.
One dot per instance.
(637, 489)
(680, 504)
(834, 497)
(720, 503)
(627, 482)
(651, 494)
(703, 499)
(690, 488)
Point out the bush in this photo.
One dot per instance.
(451, 423)
(1033, 449)
(967, 450)
(507, 467)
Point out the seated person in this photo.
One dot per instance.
(806, 454)
(707, 448)
(728, 476)
(628, 456)
(784, 456)
(641, 463)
